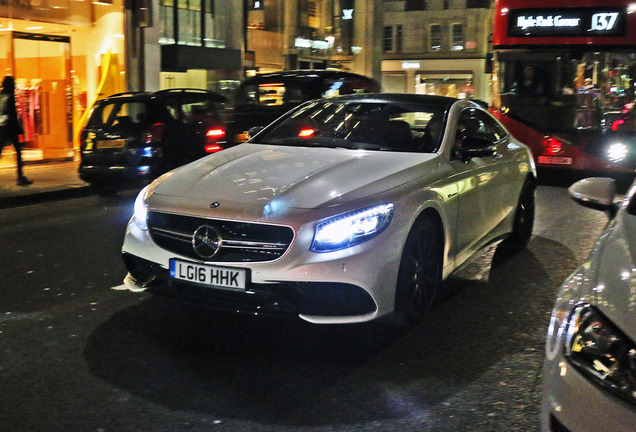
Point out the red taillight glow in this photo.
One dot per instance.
(306, 133)
(552, 145)
(617, 123)
(215, 133)
(213, 148)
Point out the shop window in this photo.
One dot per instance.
(436, 37)
(457, 44)
(388, 39)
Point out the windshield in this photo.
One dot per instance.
(360, 125)
(559, 91)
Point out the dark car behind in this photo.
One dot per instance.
(138, 136)
(263, 98)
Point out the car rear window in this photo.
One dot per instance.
(119, 115)
(271, 94)
(274, 93)
(200, 108)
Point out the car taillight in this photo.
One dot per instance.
(215, 134)
(154, 133)
(306, 133)
(212, 136)
(617, 123)
(213, 148)
(552, 145)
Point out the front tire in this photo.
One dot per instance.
(524, 219)
(420, 272)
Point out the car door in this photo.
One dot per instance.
(481, 184)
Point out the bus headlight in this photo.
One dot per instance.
(617, 152)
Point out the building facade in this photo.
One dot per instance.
(315, 34)
(186, 43)
(66, 54)
(63, 54)
(437, 47)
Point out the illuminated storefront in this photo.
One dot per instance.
(64, 54)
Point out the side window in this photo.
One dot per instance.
(491, 130)
(468, 125)
(174, 108)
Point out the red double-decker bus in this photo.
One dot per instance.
(564, 81)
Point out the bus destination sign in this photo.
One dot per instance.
(573, 22)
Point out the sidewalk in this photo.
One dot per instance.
(51, 180)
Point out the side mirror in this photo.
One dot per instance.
(597, 193)
(254, 131)
(476, 147)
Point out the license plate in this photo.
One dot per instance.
(555, 160)
(111, 144)
(211, 275)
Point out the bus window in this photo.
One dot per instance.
(566, 91)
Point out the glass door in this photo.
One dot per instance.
(41, 67)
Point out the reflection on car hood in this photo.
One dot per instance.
(302, 177)
(613, 289)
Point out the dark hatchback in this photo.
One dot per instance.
(263, 98)
(138, 136)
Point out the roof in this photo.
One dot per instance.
(305, 75)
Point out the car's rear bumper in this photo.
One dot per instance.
(96, 173)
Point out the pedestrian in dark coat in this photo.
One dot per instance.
(10, 126)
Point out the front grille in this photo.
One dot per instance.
(240, 241)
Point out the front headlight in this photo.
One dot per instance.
(351, 228)
(617, 152)
(140, 210)
(599, 350)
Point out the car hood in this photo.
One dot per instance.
(301, 177)
(613, 287)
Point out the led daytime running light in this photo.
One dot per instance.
(351, 228)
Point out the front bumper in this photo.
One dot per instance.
(571, 403)
(348, 286)
(278, 298)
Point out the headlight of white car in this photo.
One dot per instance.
(352, 228)
(140, 210)
(601, 351)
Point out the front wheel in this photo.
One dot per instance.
(524, 219)
(420, 272)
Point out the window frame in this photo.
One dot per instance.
(387, 39)
(433, 37)
(457, 44)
